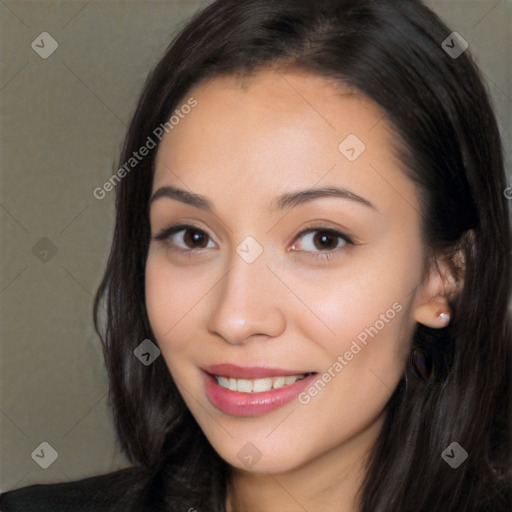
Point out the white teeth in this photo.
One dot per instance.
(243, 385)
(289, 380)
(279, 382)
(223, 382)
(258, 385)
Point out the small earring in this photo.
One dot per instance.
(444, 317)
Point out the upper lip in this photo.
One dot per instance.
(249, 372)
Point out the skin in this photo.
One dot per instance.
(247, 142)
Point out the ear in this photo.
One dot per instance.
(443, 282)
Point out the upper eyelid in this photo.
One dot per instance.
(337, 232)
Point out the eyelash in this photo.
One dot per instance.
(323, 255)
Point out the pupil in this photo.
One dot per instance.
(196, 237)
(323, 237)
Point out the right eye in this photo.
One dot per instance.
(190, 236)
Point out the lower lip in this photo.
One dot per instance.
(252, 404)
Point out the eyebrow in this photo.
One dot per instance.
(290, 199)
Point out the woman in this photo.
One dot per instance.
(338, 339)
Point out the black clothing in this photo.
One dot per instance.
(104, 493)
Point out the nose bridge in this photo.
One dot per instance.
(246, 302)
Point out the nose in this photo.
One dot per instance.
(248, 302)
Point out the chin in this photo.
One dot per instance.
(273, 463)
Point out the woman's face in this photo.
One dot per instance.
(274, 281)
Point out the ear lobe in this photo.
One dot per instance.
(443, 283)
(435, 313)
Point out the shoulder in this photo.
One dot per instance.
(107, 492)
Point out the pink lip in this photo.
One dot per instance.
(237, 403)
(249, 372)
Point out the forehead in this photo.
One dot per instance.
(273, 98)
(275, 129)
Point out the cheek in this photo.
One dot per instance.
(365, 356)
(172, 292)
(159, 295)
(363, 325)
(365, 301)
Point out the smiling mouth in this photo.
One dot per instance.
(259, 385)
(252, 390)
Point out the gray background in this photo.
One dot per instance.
(62, 124)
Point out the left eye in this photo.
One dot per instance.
(322, 239)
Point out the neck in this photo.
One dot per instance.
(330, 482)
